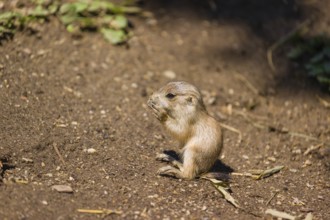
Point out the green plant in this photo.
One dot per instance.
(80, 15)
(315, 54)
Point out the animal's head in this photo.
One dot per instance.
(176, 100)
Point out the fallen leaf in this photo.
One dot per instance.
(279, 214)
(268, 173)
(222, 187)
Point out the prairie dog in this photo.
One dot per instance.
(180, 108)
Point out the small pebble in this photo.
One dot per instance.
(27, 160)
(62, 188)
(307, 163)
(90, 151)
(246, 157)
(273, 159)
(49, 174)
(169, 74)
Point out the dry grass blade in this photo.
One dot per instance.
(325, 103)
(260, 174)
(278, 214)
(269, 172)
(233, 130)
(100, 211)
(295, 134)
(222, 187)
(58, 154)
(242, 174)
(247, 83)
(283, 40)
(312, 148)
(264, 125)
(249, 119)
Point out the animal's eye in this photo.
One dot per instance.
(170, 95)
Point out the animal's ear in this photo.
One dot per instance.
(191, 100)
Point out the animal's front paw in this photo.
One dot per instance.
(163, 157)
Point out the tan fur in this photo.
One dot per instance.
(179, 107)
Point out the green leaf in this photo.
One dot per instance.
(96, 6)
(326, 51)
(73, 8)
(65, 8)
(107, 19)
(131, 10)
(53, 8)
(39, 11)
(119, 22)
(317, 58)
(67, 19)
(314, 70)
(5, 30)
(323, 79)
(72, 28)
(87, 22)
(7, 16)
(114, 36)
(39, 2)
(80, 6)
(296, 52)
(326, 67)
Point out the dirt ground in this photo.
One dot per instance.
(73, 95)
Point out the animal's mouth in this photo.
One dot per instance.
(156, 112)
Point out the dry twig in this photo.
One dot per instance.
(271, 198)
(100, 211)
(58, 153)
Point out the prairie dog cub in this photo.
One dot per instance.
(179, 107)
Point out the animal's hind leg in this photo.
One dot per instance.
(187, 170)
